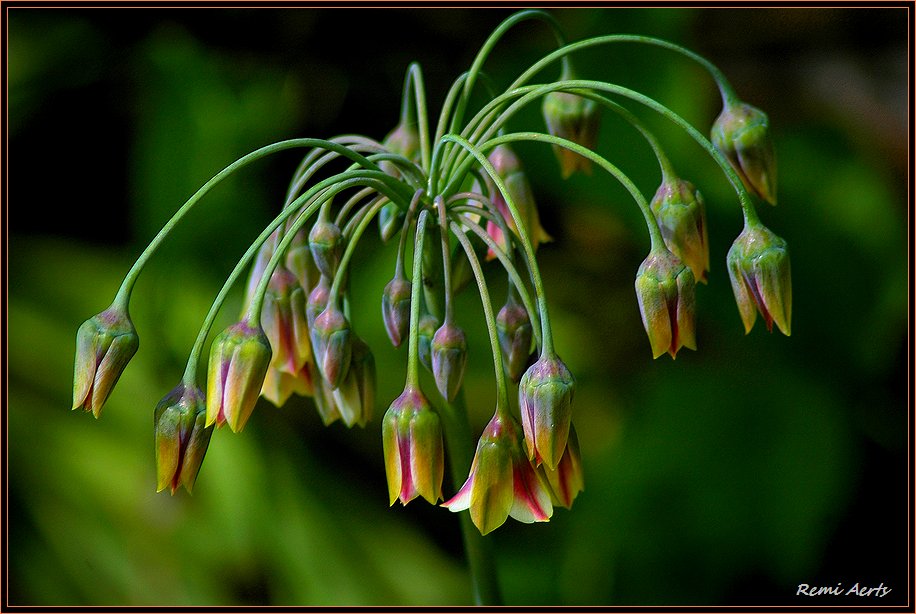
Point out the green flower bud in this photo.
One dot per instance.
(355, 398)
(333, 345)
(742, 134)
(396, 309)
(239, 359)
(758, 265)
(299, 261)
(681, 215)
(665, 290)
(450, 356)
(414, 454)
(326, 244)
(545, 395)
(182, 438)
(514, 330)
(390, 221)
(575, 119)
(318, 300)
(105, 343)
(428, 326)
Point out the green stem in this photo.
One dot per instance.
(413, 345)
(415, 78)
(371, 211)
(439, 204)
(405, 231)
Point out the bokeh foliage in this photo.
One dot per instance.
(727, 477)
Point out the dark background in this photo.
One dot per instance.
(728, 477)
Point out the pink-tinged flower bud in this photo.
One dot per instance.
(502, 482)
(284, 321)
(326, 244)
(742, 134)
(239, 359)
(545, 395)
(758, 265)
(514, 330)
(299, 261)
(182, 438)
(566, 481)
(332, 341)
(575, 119)
(450, 356)
(666, 292)
(428, 327)
(509, 168)
(412, 442)
(681, 215)
(105, 343)
(355, 398)
(318, 300)
(396, 309)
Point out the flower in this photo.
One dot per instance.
(355, 397)
(681, 215)
(514, 331)
(502, 482)
(665, 290)
(239, 359)
(758, 265)
(326, 244)
(105, 343)
(566, 480)
(575, 119)
(182, 438)
(332, 342)
(742, 134)
(450, 356)
(414, 455)
(284, 322)
(396, 309)
(545, 395)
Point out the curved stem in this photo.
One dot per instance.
(370, 212)
(413, 344)
(415, 78)
(439, 204)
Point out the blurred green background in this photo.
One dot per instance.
(727, 477)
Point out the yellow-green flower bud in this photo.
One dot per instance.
(105, 343)
(575, 119)
(514, 330)
(182, 438)
(666, 292)
(239, 359)
(758, 265)
(545, 395)
(396, 309)
(428, 327)
(450, 357)
(318, 300)
(681, 215)
(566, 481)
(742, 134)
(414, 454)
(299, 261)
(326, 244)
(355, 398)
(332, 342)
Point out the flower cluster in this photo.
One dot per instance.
(450, 198)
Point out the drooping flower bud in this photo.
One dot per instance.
(284, 321)
(323, 397)
(105, 343)
(258, 267)
(681, 215)
(333, 346)
(299, 261)
(665, 290)
(318, 300)
(742, 134)
(514, 330)
(182, 438)
(414, 454)
(279, 386)
(396, 309)
(450, 356)
(502, 482)
(545, 395)
(428, 327)
(239, 358)
(575, 119)
(566, 481)
(326, 244)
(758, 265)
(390, 221)
(355, 398)
(509, 169)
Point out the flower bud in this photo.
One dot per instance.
(258, 267)
(284, 322)
(575, 119)
(299, 261)
(450, 356)
(239, 359)
(390, 221)
(323, 397)
(326, 244)
(396, 309)
(514, 330)
(333, 345)
(742, 134)
(279, 386)
(758, 265)
(428, 326)
(181, 438)
(105, 343)
(414, 456)
(545, 395)
(566, 481)
(681, 215)
(355, 398)
(665, 290)
(318, 300)
(502, 482)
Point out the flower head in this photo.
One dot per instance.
(239, 359)
(414, 455)
(182, 438)
(758, 265)
(681, 216)
(105, 343)
(545, 395)
(665, 290)
(502, 482)
(742, 134)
